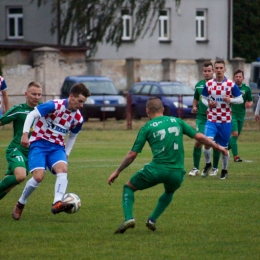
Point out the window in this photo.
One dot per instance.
(201, 22)
(146, 89)
(127, 25)
(164, 25)
(15, 23)
(155, 90)
(136, 89)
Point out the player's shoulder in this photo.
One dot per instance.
(17, 107)
(230, 81)
(246, 86)
(201, 83)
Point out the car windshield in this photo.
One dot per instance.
(176, 89)
(101, 87)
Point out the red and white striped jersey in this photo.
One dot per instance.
(217, 91)
(55, 122)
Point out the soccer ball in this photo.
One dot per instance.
(73, 199)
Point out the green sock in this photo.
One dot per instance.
(229, 147)
(128, 202)
(196, 157)
(233, 145)
(216, 156)
(2, 194)
(162, 204)
(7, 182)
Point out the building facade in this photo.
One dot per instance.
(183, 38)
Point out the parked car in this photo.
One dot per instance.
(177, 98)
(104, 102)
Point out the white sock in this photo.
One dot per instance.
(30, 186)
(60, 186)
(225, 160)
(207, 153)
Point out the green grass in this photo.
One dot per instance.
(207, 219)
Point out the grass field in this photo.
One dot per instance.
(207, 219)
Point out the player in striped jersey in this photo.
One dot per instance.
(200, 110)
(219, 93)
(53, 120)
(16, 154)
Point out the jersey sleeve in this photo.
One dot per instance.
(205, 92)
(46, 108)
(77, 128)
(187, 129)
(249, 95)
(196, 94)
(9, 116)
(140, 141)
(235, 91)
(3, 85)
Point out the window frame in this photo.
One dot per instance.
(201, 25)
(17, 17)
(162, 20)
(127, 20)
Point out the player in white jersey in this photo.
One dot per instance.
(219, 93)
(52, 121)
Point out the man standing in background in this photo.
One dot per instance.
(219, 93)
(239, 112)
(200, 110)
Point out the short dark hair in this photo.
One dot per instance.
(80, 89)
(154, 104)
(219, 61)
(238, 71)
(207, 64)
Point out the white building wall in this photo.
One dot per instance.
(183, 45)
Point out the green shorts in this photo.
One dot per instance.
(237, 125)
(200, 125)
(16, 158)
(150, 176)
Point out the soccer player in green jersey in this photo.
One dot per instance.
(200, 110)
(16, 154)
(239, 112)
(165, 137)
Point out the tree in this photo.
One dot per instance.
(246, 33)
(98, 21)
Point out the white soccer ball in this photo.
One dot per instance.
(73, 199)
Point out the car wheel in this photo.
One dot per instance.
(167, 111)
(135, 114)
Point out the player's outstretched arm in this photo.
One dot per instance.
(209, 142)
(129, 158)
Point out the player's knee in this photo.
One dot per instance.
(20, 174)
(20, 178)
(60, 168)
(38, 177)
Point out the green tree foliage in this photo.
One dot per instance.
(99, 21)
(246, 29)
